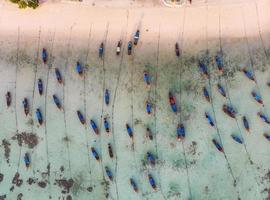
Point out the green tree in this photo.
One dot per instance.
(26, 3)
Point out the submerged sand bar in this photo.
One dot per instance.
(62, 166)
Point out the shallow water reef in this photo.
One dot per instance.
(188, 146)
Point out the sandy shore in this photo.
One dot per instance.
(192, 169)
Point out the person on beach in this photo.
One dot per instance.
(101, 50)
(136, 37)
(8, 98)
(79, 69)
(146, 77)
(177, 51)
(44, 56)
(118, 48)
(129, 48)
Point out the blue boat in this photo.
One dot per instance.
(263, 117)
(203, 69)
(148, 107)
(150, 158)
(206, 94)
(40, 86)
(257, 97)
(109, 173)
(180, 132)
(237, 138)
(44, 55)
(229, 110)
(209, 118)
(39, 116)
(79, 69)
(95, 153)
(27, 160)
(25, 106)
(172, 102)
(219, 62)
(146, 77)
(218, 145)
(267, 136)
(133, 184)
(152, 181)
(57, 102)
(129, 131)
(249, 74)
(245, 123)
(107, 97)
(221, 90)
(58, 75)
(94, 126)
(81, 117)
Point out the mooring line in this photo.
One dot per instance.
(260, 31)
(15, 95)
(229, 97)
(45, 124)
(103, 90)
(138, 27)
(220, 139)
(180, 66)
(252, 62)
(34, 87)
(63, 90)
(236, 120)
(155, 111)
(113, 103)
(227, 88)
(119, 74)
(35, 77)
(84, 100)
(132, 106)
(213, 109)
